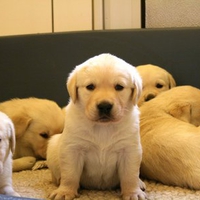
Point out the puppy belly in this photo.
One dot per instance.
(100, 173)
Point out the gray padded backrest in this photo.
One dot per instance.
(38, 65)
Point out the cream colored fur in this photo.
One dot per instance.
(35, 121)
(100, 146)
(170, 136)
(7, 147)
(155, 80)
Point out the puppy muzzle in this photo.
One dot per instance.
(149, 97)
(105, 109)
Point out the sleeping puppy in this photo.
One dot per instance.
(170, 136)
(7, 146)
(100, 145)
(155, 80)
(35, 121)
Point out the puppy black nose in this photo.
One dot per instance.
(104, 108)
(149, 97)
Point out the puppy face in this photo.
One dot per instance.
(155, 81)
(105, 87)
(7, 138)
(35, 121)
(39, 131)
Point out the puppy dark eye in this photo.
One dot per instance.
(159, 85)
(44, 135)
(119, 87)
(90, 87)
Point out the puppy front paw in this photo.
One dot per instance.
(23, 163)
(14, 194)
(136, 195)
(8, 190)
(41, 164)
(63, 194)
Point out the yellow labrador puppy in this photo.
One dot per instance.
(170, 135)
(7, 147)
(35, 121)
(155, 80)
(100, 146)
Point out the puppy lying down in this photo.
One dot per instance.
(35, 121)
(7, 147)
(155, 81)
(100, 145)
(170, 136)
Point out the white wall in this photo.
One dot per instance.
(122, 14)
(25, 16)
(72, 15)
(44, 16)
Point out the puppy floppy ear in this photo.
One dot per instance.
(11, 131)
(21, 124)
(172, 82)
(181, 111)
(137, 89)
(72, 86)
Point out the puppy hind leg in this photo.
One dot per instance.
(55, 180)
(142, 185)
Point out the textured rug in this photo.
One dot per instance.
(37, 184)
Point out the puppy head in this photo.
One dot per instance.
(105, 88)
(7, 138)
(155, 80)
(35, 121)
(185, 104)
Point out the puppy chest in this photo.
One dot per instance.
(100, 170)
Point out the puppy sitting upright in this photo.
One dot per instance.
(100, 145)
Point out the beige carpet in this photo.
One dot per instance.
(37, 184)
